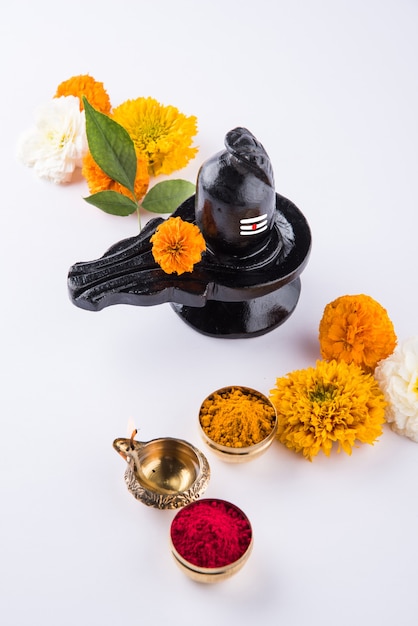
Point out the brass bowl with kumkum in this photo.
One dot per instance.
(237, 423)
(211, 540)
(165, 473)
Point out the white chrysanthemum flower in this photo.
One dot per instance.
(57, 144)
(397, 376)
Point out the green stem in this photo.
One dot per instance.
(138, 208)
(138, 212)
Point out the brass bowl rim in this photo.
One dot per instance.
(243, 451)
(211, 575)
(213, 571)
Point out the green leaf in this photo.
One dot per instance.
(112, 202)
(111, 147)
(166, 197)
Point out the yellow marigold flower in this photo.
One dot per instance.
(356, 329)
(177, 245)
(161, 133)
(97, 180)
(332, 402)
(85, 85)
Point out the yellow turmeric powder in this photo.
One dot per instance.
(237, 417)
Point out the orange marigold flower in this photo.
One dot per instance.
(161, 133)
(356, 329)
(85, 85)
(334, 402)
(177, 245)
(97, 180)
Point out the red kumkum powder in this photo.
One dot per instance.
(211, 533)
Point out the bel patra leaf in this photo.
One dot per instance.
(166, 197)
(112, 202)
(111, 147)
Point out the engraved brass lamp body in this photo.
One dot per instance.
(164, 473)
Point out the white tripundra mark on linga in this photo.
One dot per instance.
(253, 225)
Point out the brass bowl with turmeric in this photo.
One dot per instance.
(237, 423)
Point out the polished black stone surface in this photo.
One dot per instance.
(247, 297)
(247, 282)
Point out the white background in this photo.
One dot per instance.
(330, 88)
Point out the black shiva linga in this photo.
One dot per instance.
(257, 244)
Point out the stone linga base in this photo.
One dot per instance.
(251, 318)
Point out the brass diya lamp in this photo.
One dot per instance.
(165, 473)
(257, 244)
